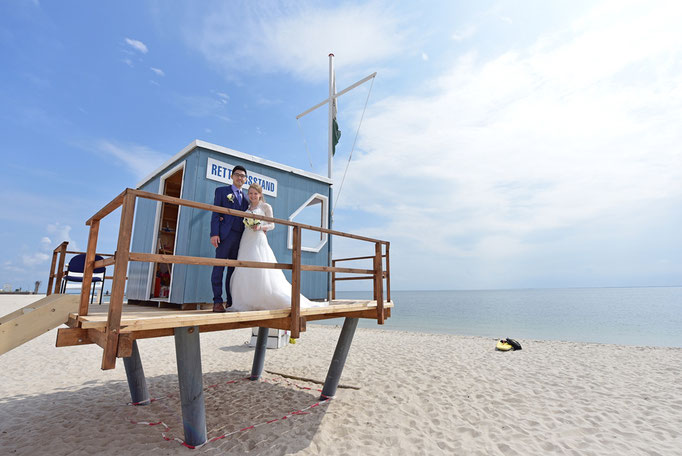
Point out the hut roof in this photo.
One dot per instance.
(232, 153)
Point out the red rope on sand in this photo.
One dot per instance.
(167, 428)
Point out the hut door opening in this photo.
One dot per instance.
(166, 236)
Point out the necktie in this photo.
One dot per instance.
(239, 196)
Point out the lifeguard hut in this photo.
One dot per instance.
(169, 229)
(163, 234)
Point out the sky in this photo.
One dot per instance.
(504, 144)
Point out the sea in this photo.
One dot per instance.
(646, 316)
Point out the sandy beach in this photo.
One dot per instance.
(411, 393)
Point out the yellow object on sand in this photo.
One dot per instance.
(503, 346)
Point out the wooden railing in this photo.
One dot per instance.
(57, 271)
(386, 273)
(126, 200)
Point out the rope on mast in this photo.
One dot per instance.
(338, 193)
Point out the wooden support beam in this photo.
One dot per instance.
(368, 257)
(87, 272)
(60, 268)
(109, 208)
(119, 282)
(378, 283)
(333, 280)
(105, 255)
(296, 283)
(311, 267)
(278, 323)
(105, 262)
(369, 313)
(68, 337)
(387, 273)
(52, 275)
(180, 259)
(369, 277)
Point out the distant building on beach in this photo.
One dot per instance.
(193, 174)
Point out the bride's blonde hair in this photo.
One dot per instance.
(259, 189)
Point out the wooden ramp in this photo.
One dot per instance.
(35, 319)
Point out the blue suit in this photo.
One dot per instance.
(230, 229)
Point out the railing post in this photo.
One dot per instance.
(52, 276)
(119, 281)
(333, 281)
(388, 273)
(87, 271)
(378, 283)
(60, 270)
(296, 283)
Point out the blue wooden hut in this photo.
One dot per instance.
(193, 174)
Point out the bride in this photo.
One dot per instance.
(255, 288)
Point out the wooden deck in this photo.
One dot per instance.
(142, 322)
(140, 318)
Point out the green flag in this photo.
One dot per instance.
(336, 133)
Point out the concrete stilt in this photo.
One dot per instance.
(139, 394)
(259, 355)
(339, 359)
(188, 354)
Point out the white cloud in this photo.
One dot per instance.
(34, 258)
(577, 127)
(465, 33)
(137, 45)
(61, 233)
(10, 267)
(140, 160)
(297, 38)
(158, 71)
(201, 106)
(223, 97)
(425, 56)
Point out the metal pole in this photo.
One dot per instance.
(188, 355)
(330, 129)
(139, 394)
(339, 359)
(330, 154)
(259, 355)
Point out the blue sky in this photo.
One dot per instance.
(505, 144)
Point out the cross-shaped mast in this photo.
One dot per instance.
(331, 102)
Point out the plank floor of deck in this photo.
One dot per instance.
(140, 318)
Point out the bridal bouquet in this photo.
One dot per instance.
(249, 222)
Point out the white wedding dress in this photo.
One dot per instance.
(261, 289)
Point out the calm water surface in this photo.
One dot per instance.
(629, 316)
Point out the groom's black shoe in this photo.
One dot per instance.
(218, 307)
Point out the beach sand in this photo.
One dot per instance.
(418, 394)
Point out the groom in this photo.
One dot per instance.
(226, 232)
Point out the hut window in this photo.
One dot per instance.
(315, 211)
